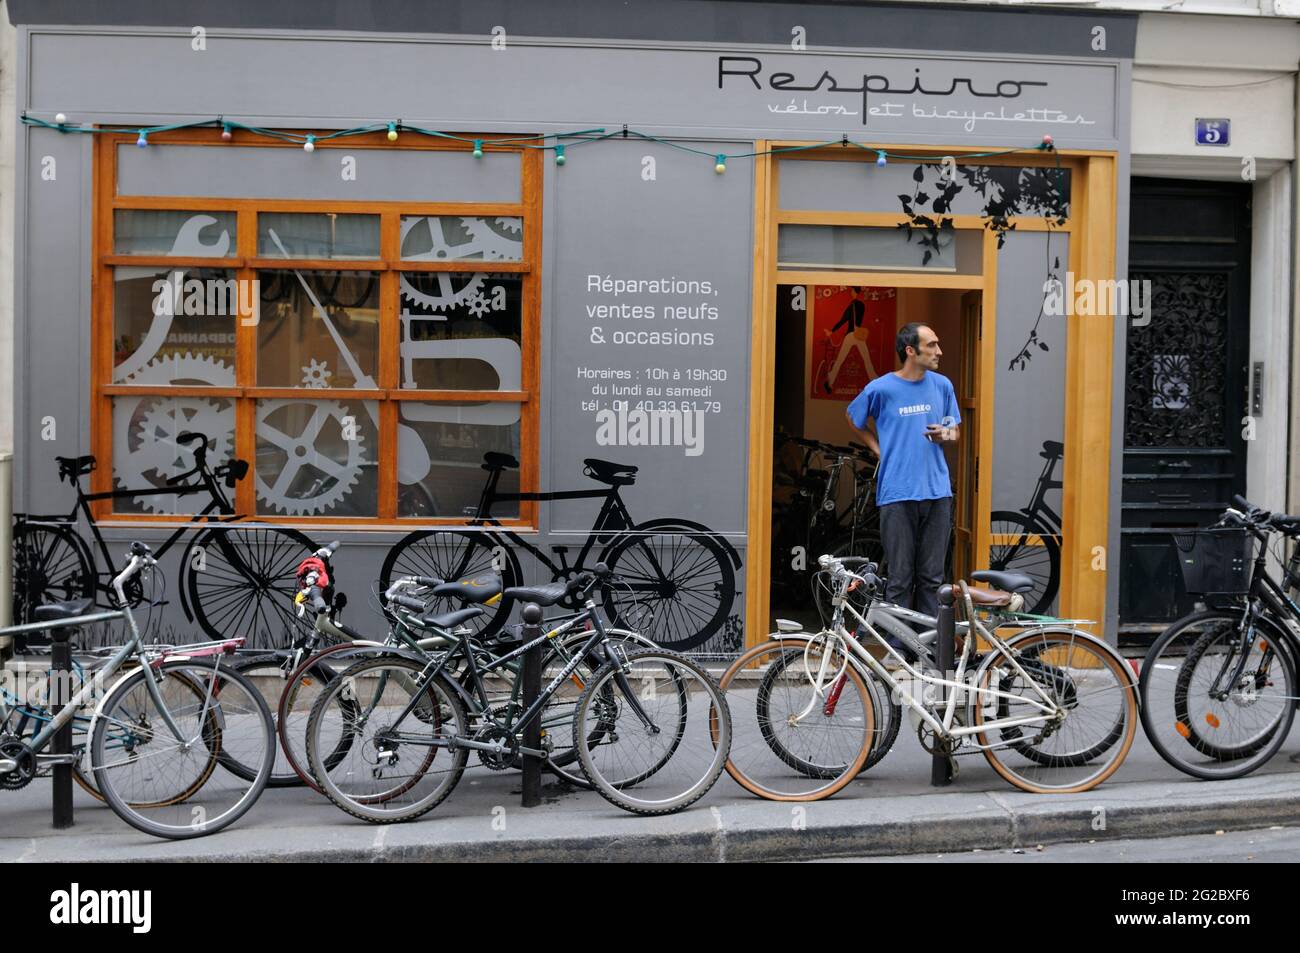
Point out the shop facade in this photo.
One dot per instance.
(602, 254)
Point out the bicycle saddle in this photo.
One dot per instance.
(480, 588)
(63, 610)
(988, 597)
(449, 620)
(1006, 581)
(615, 474)
(547, 595)
(73, 467)
(1052, 449)
(498, 461)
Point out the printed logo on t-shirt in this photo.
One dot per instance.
(909, 409)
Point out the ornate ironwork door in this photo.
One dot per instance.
(1185, 384)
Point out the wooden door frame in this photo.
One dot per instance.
(1089, 366)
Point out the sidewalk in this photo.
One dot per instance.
(890, 810)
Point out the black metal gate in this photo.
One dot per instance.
(1185, 384)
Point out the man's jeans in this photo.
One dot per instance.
(915, 534)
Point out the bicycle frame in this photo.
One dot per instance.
(612, 519)
(82, 508)
(480, 704)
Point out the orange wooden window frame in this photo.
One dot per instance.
(245, 262)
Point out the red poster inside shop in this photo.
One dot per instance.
(853, 340)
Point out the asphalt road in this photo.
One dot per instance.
(1271, 845)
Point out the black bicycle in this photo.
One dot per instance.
(235, 580)
(389, 738)
(1219, 685)
(1028, 541)
(680, 576)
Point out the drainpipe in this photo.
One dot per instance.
(1293, 468)
(6, 549)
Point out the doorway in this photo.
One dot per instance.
(831, 340)
(1185, 381)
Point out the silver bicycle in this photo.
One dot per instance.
(163, 738)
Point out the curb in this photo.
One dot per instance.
(998, 823)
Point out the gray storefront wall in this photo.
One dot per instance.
(604, 220)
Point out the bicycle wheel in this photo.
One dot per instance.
(557, 716)
(800, 731)
(301, 690)
(676, 586)
(1218, 693)
(666, 732)
(1091, 694)
(51, 564)
(452, 555)
(138, 760)
(392, 768)
(1021, 545)
(240, 580)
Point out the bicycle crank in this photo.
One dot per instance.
(17, 764)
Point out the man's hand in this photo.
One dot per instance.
(937, 433)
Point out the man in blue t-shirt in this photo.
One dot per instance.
(904, 417)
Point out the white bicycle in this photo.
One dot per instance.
(1053, 708)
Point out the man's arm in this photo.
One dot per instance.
(868, 436)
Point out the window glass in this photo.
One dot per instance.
(318, 329)
(440, 450)
(176, 326)
(461, 330)
(185, 234)
(317, 235)
(461, 238)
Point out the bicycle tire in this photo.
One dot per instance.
(1182, 688)
(317, 668)
(443, 704)
(1056, 676)
(751, 765)
(565, 765)
(214, 731)
(686, 574)
(716, 737)
(446, 554)
(244, 582)
(1044, 568)
(51, 564)
(1176, 736)
(1093, 659)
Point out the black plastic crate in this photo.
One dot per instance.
(1215, 561)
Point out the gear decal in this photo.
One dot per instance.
(146, 444)
(320, 465)
(316, 374)
(447, 238)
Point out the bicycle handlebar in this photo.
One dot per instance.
(406, 602)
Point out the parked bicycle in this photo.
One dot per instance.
(1028, 541)
(1218, 686)
(162, 737)
(813, 517)
(679, 576)
(234, 579)
(1052, 709)
(407, 725)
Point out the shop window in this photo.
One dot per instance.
(865, 248)
(328, 344)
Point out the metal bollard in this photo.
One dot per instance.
(61, 743)
(940, 765)
(532, 677)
